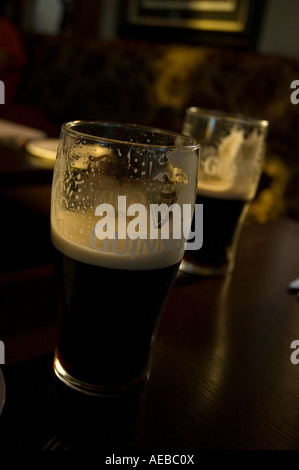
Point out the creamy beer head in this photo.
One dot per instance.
(82, 245)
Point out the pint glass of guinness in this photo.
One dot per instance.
(231, 160)
(118, 196)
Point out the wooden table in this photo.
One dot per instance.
(222, 377)
(18, 167)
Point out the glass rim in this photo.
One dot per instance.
(190, 142)
(219, 114)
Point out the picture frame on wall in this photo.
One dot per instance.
(232, 22)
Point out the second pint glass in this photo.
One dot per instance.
(114, 268)
(231, 161)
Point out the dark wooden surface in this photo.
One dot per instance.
(18, 167)
(222, 377)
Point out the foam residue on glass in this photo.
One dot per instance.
(225, 167)
(97, 174)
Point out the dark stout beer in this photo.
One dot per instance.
(223, 215)
(108, 318)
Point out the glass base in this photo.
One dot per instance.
(99, 390)
(205, 270)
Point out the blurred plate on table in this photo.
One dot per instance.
(11, 130)
(44, 149)
(2, 391)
